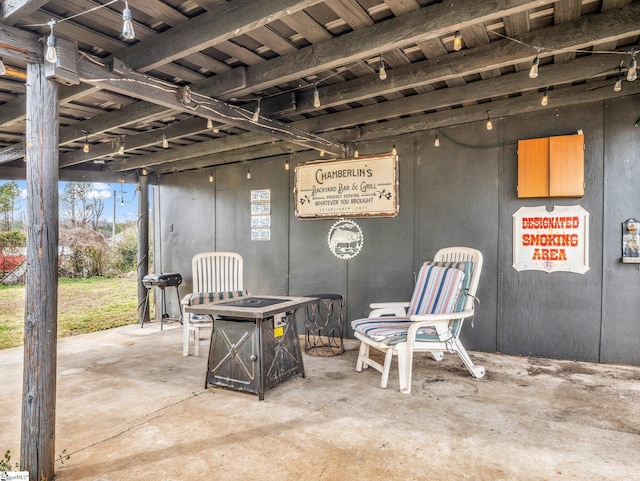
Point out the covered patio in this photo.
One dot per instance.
(131, 406)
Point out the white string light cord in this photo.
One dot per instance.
(128, 32)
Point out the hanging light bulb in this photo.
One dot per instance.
(85, 147)
(165, 141)
(216, 130)
(457, 41)
(544, 101)
(121, 201)
(51, 55)
(256, 113)
(322, 153)
(211, 178)
(316, 97)
(617, 87)
(633, 69)
(533, 73)
(127, 23)
(383, 72)
(489, 123)
(286, 164)
(356, 154)
(436, 143)
(248, 174)
(3, 69)
(121, 147)
(394, 151)
(209, 124)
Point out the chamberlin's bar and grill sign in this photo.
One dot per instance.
(359, 187)
(551, 241)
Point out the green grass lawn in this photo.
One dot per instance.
(84, 305)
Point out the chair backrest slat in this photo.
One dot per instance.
(217, 272)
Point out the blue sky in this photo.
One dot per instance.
(126, 205)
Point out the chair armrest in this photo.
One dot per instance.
(438, 321)
(381, 309)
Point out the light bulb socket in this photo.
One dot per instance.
(316, 98)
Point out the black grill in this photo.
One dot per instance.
(162, 280)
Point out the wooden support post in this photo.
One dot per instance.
(41, 305)
(143, 247)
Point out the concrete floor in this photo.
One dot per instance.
(130, 406)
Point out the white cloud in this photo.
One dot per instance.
(99, 194)
(100, 186)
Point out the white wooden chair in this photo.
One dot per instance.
(431, 321)
(216, 276)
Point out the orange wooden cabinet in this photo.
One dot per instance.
(551, 167)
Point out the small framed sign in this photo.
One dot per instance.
(631, 241)
(360, 187)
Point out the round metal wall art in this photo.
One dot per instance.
(345, 239)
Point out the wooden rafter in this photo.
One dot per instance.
(125, 80)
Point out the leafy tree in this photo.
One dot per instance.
(9, 193)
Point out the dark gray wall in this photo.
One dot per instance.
(462, 193)
(620, 333)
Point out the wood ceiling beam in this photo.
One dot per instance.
(200, 149)
(297, 63)
(476, 59)
(426, 23)
(441, 99)
(213, 27)
(208, 29)
(612, 25)
(15, 10)
(588, 67)
(122, 79)
(20, 44)
(138, 141)
(579, 94)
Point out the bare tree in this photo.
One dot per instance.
(75, 203)
(97, 208)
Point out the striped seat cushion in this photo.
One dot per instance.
(464, 300)
(205, 297)
(436, 292)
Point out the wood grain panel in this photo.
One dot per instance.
(566, 166)
(533, 168)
